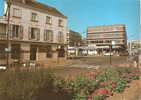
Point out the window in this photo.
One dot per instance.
(34, 33)
(2, 51)
(49, 52)
(17, 12)
(60, 37)
(34, 17)
(15, 51)
(61, 52)
(15, 31)
(48, 20)
(60, 23)
(48, 35)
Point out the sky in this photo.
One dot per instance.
(84, 13)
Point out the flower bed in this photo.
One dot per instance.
(98, 85)
(85, 85)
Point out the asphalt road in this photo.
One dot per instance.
(102, 60)
(82, 63)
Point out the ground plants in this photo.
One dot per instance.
(40, 84)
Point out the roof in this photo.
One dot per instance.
(113, 25)
(32, 4)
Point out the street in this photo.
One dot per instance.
(79, 64)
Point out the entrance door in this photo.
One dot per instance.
(15, 51)
(33, 51)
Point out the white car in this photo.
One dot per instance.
(2, 67)
(108, 54)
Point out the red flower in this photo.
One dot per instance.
(137, 71)
(82, 91)
(102, 84)
(110, 93)
(131, 74)
(93, 75)
(102, 91)
(110, 81)
(114, 85)
(89, 97)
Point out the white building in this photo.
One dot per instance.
(36, 32)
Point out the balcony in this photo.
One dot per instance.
(3, 36)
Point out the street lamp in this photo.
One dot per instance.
(112, 44)
(68, 37)
(58, 49)
(9, 3)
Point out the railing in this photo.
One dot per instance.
(3, 36)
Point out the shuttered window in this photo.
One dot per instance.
(17, 12)
(60, 37)
(34, 17)
(48, 20)
(34, 33)
(16, 31)
(48, 35)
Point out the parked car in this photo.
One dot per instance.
(3, 67)
(108, 54)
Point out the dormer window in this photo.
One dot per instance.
(34, 17)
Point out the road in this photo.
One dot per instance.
(82, 63)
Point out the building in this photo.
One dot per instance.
(101, 37)
(134, 46)
(74, 41)
(37, 32)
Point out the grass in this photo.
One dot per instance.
(29, 85)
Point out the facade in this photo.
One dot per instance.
(74, 41)
(36, 32)
(100, 38)
(134, 47)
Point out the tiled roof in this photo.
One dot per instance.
(39, 7)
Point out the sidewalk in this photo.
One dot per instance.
(131, 93)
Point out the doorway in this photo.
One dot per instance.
(33, 52)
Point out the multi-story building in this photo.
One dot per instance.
(101, 37)
(134, 46)
(75, 39)
(36, 32)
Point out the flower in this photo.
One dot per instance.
(101, 91)
(82, 91)
(114, 85)
(137, 70)
(102, 84)
(89, 97)
(110, 81)
(93, 75)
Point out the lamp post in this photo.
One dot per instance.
(9, 2)
(68, 37)
(112, 44)
(58, 49)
